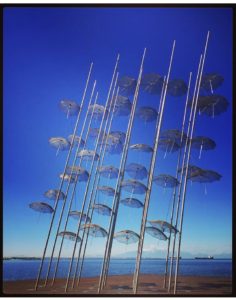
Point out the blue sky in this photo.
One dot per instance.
(47, 54)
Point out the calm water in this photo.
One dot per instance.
(27, 269)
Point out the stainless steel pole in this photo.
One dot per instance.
(150, 180)
(62, 180)
(186, 172)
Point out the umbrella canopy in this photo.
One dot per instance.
(74, 171)
(147, 114)
(163, 226)
(77, 215)
(166, 180)
(136, 171)
(41, 207)
(88, 154)
(77, 140)
(114, 149)
(205, 176)
(127, 85)
(122, 106)
(107, 190)
(177, 88)
(94, 132)
(141, 147)
(53, 194)
(156, 233)
(132, 202)
(202, 142)
(168, 145)
(134, 186)
(152, 83)
(97, 110)
(72, 177)
(69, 236)
(173, 135)
(211, 105)
(108, 172)
(211, 81)
(94, 230)
(71, 108)
(191, 170)
(59, 143)
(118, 134)
(126, 237)
(102, 209)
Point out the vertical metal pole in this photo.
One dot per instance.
(62, 180)
(181, 174)
(150, 180)
(115, 205)
(74, 188)
(91, 202)
(177, 168)
(186, 172)
(87, 186)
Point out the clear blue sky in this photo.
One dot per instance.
(47, 53)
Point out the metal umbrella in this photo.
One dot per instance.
(41, 207)
(166, 180)
(75, 171)
(94, 133)
(102, 209)
(126, 237)
(174, 135)
(156, 233)
(97, 111)
(54, 194)
(132, 202)
(122, 106)
(203, 143)
(107, 190)
(127, 85)
(211, 81)
(77, 140)
(205, 176)
(147, 114)
(59, 143)
(152, 83)
(77, 215)
(108, 172)
(177, 88)
(141, 147)
(168, 145)
(212, 105)
(69, 236)
(136, 171)
(163, 226)
(88, 154)
(119, 134)
(71, 108)
(133, 186)
(94, 230)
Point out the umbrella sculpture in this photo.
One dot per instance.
(156, 233)
(119, 134)
(173, 134)
(88, 154)
(41, 207)
(127, 85)
(211, 105)
(71, 108)
(202, 143)
(134, 186)
(147, 114)
(77, 214)
(211, 81)
(177, 88)
(59, 143)
(108, 172)
(77, 140)
(74, 171)
(107, 190)
(102, 209)
(69, 236)
(53, 194)
(94, 230)
(132, 202)
(141, 147)
(136, 171)
(94, 133)
(126, 237)
(163, 226)
(122, 106)
(152, 83)
(97, 111)
(166, 180)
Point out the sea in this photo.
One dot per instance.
(23, 269)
